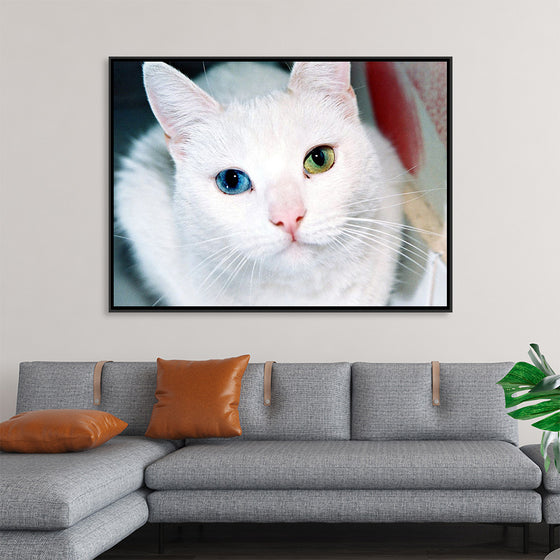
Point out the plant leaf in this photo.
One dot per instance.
(514, 397)
(547, 384)
(539, 361)
(547, 437)
(533, 353)
(536, 410)
(550, 423)
(556, 451)
(547, 366)
(551, 443)
(525, 383)
(522, 375)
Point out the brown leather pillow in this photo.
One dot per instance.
(58, 431)
(197, 399)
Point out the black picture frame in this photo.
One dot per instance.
(121, 72)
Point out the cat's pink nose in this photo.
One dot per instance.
(289, 220)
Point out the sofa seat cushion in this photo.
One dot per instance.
(54, 491)
(323, 465)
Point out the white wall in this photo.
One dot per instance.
(54, 178)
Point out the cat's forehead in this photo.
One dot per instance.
(281, 119)
(269, 136)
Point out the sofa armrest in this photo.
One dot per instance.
(551, 479)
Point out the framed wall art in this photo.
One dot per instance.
(275, 184)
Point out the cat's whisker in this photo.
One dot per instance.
(402, 174)
(237, 270)
(261, 261)
(398, 194)
(398, 225)
(384, 243)
(354, 237)
(158, 245)
(398, 180)
(167, 246)
(157, 301)
(231, 234)
(233, 262)
(337, 242)
(396, 260)
(360, 87)
(251, 282)
(406, 171)
(420, 252)
(212, 256)
(209, 88)
(414, 237)
(362, 201)
(397, 248)
(402, 203)
(232, 253)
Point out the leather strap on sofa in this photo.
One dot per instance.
(435, 384)
(97, 371)
(267, 392)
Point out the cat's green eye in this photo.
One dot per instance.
(319, 160)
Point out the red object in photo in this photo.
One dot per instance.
(395, 111)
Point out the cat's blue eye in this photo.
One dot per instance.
(233, 181)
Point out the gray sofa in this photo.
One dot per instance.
(340, 443)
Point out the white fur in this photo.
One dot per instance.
(196, 246)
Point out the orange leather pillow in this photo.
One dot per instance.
(197, 399)
(58, 431)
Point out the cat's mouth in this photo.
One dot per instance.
(299, 244)
(297, 249)
(293, 250)
(294, 245)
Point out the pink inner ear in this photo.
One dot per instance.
(395, 112)
(328, 77)
(342, 76)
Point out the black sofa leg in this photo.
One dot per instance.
(161, 538)
(525, 538)
(551, 544)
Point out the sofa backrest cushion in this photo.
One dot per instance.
(127, 389)
(394, 402)
(309, 401)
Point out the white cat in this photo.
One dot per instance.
(275, 193)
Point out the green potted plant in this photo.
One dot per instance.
(526, 383)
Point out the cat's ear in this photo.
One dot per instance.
(331, 79)
(176, 101)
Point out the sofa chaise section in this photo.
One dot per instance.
(74, 506)
(85, 540)
(44, 491)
